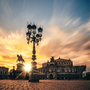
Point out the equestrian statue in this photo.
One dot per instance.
(20, 58)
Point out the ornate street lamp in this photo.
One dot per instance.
(33, 35)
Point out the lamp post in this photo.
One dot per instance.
(34, 35)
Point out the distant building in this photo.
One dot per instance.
(61, 69)
(3, 73)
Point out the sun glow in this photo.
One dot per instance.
(27, 67)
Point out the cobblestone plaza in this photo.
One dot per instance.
(45, 85)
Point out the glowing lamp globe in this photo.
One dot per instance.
(37, 36)
(34, 29)
(40, 31)
(29, 27)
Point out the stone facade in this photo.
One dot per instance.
(61, 69)
(3, 73)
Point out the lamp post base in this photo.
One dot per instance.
(33, 77)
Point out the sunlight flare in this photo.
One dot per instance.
(27, 67)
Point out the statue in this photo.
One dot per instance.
(20, 58)
(52, 59)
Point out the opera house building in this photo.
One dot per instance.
(61, 69)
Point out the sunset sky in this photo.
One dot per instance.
(66, 30)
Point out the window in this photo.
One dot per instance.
(58, 70)
(69, 70)
(72, 69)
(75, 69)
(66, 70)
(5, 73)
(54, 70)
(62, 70)
(50, 70)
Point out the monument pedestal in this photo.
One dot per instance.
(33, 77)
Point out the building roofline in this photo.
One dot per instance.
(4, 67)
(62, 59)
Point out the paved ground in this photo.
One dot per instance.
(44, 85)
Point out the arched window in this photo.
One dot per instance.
(69, 69)
(51, 64)
(58, 70)
(50, 70)
(62, 70)
(66, 70)
(72, 69)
